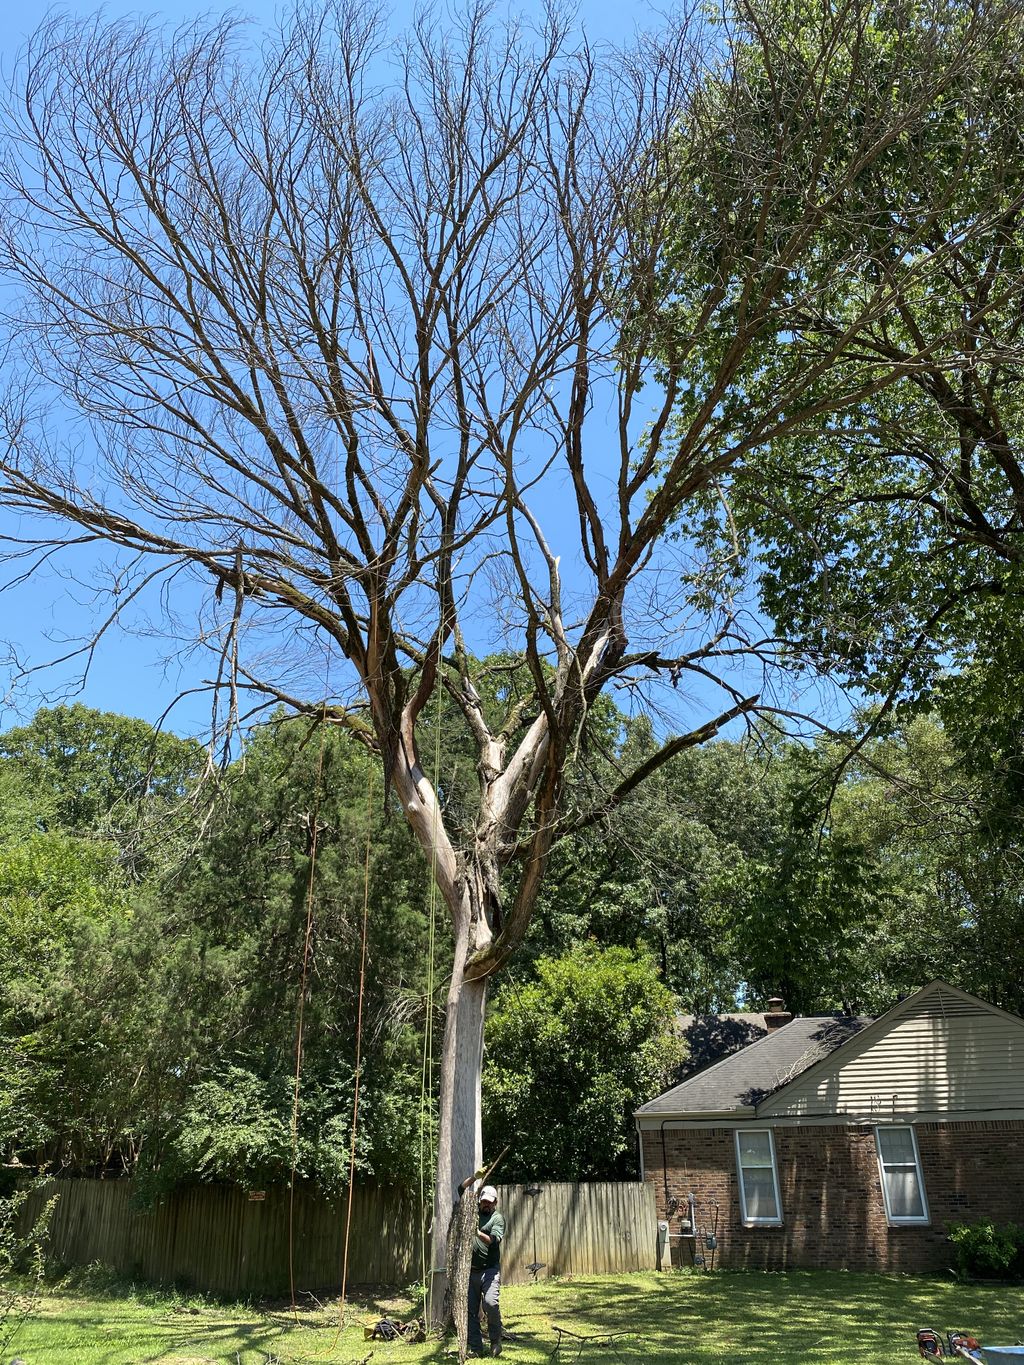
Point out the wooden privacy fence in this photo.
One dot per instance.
(220, 1239)
(593, 1229)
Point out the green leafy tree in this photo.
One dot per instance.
(722, 871)
(937, 824)
(94, 801)
(91, 772)
(887, 541)
(837, 880)
(660, 872)
(151, 1026)
(570, 1056)
(59, 895)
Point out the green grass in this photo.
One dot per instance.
(720, 1319)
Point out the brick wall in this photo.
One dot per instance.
(832, 1207)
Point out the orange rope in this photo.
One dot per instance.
(359, 1045)
(359, 1039)
(314, 840)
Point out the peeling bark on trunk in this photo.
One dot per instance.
(470, 883)
(460, 1145)
(461, 1228)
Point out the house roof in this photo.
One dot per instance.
(744, 1078)
(978, 1049)
(710, 1037)
(951, 1051)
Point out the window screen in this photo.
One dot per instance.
(759, 1182)
(899, 1163)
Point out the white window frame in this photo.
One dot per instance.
(759, 1222)
(897, 1220)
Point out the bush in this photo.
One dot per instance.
(570, 1055)
(985, 1250)
(21, 1255)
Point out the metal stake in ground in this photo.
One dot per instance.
(532, 1192)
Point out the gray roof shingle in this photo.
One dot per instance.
(710, 1037)
(748, 1076)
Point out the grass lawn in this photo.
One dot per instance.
(705, 1320)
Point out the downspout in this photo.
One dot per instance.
(664, 1164)
(664, 1235)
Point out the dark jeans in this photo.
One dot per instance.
(484, 1285)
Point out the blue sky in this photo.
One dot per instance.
(142, 672)
(137, 673)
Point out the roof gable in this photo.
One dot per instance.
(737, 1083)
(939, 1050)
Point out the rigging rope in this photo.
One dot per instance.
(300, 1019)
(426, 1076)
(359, 1037)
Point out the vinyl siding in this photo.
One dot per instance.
(942, 1052)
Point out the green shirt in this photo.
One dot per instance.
(486, 1255)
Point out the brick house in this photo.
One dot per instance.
(838, 1142)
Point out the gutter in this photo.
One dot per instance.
(649, 1120)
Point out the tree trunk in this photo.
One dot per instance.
(466, 894)
(459, 1140)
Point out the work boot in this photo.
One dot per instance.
(496, 1349)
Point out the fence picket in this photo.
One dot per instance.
(215, 1239)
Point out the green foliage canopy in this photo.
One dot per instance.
(570, 1054)
(886, 539)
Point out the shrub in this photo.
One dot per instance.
(983, 1249)
(21, 1262)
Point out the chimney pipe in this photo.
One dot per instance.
(776, 1014)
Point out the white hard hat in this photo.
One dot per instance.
(489, 1193)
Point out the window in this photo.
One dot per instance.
(759, 1180)
(899, 1163)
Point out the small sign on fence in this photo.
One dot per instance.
(257, 1196)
